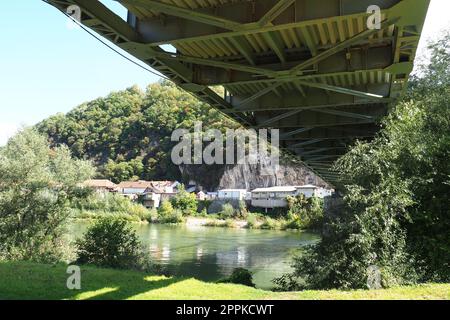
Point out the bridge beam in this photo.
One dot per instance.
(184, 13)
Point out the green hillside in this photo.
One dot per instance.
(127, 134)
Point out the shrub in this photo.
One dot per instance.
(165, 209)
(176, 216)
(230, 223)
(293, 223)
(203, 213)
(288, 282)
(243, 212)
(111, 243)
(111, 204)
(203, 205)
(153, 215)
(240, 276)
(304, 213)
(270, 224)
(252, 220)
(185, 201)
(227, 211)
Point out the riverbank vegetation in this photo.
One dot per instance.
(98, 205)
(301, 213)
(26, 280)
(393, 228)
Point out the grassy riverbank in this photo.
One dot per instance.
(24, 280)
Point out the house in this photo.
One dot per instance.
(159, 191)
(310, 190)
(276, 197)
(211, 195)
(201, 196)
(273, 197)
(232, 194)
(151, 200)
(101, 185)
(133, 187)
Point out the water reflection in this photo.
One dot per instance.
(212, 253)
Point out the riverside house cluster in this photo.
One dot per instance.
(153, 193)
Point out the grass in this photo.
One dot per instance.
(26, 280)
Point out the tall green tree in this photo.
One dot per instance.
(37, 184)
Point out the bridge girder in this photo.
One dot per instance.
(312, 69)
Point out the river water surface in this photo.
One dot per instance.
(210, 254)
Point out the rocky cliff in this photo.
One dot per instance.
(249, 176)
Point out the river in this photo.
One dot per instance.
(210, 254)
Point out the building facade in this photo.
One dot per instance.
(232, 194)
(276, 197)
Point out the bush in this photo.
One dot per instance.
(227, 211)
(203, 213)
(185, 202)
(270, 224)
(294, 223)
(203, 205)
(165, 208)
(240, 276)
(396, 213)
(288, 282)
(176, 216)
(304, 213)
(230, 223)
(111, 204)
(252, 220)
(110, 243)
(243, 212)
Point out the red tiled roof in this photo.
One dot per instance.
(141, 184)
(134, 184)
(99, 183)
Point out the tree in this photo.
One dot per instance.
(37, 184)
(396, 214)
(304, 212)
(185, 201)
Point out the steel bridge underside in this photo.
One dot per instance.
(312, 69)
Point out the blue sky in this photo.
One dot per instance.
(47, 67)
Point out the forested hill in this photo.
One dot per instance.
(128, 133)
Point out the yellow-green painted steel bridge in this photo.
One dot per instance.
(314, 69)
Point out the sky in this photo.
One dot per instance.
(47, 66)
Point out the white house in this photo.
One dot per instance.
(232, 194)
(310, 190)
(151, 200)
(140, 187)
(159, 191)
(211, 195)
(201, 196)
(273, 197)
